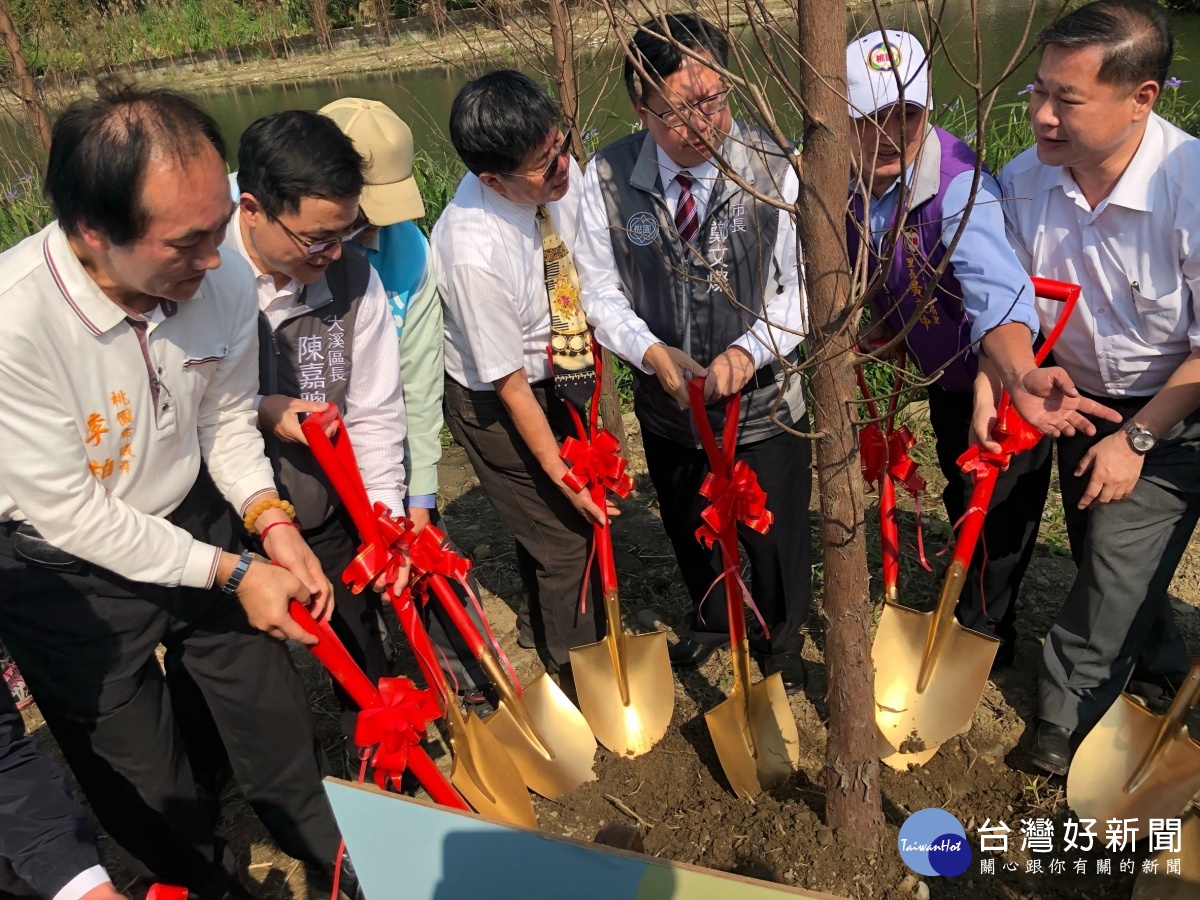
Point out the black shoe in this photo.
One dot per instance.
(689, 654)
(1051, 749)
(790, 667)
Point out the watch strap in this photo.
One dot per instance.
(239, 572)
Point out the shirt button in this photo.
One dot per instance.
(1104, 354)
(1101, 311)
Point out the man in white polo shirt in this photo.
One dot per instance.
(1104, 201)
(131, 359)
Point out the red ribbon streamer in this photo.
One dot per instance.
(396, 727)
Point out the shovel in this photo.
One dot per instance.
(546, 736)
(1137, 765)
(753, 729)
(483, 771)
(624, 682)
(915, 710)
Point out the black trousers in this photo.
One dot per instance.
(989, 599)
(45, 838)
(1118, 613)
(552, 539)
(780, 560)
(86, 644)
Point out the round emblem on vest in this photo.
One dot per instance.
(642, 229)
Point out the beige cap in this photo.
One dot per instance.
(391, 194)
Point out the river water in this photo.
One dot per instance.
(423, 96)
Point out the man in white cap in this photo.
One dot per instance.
(981, 298)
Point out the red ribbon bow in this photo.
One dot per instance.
(386, 555)
(878, 454)
(597, 461)
(431, 555)
(738, 498)
(1012, 433)
(396, 727)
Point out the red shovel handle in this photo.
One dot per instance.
(334, 656)
(335, 454)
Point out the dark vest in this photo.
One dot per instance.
(943, 331)
(678, 299)
(310, 356)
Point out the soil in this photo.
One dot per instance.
(677, 794)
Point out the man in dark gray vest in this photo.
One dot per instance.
(679, 263)
(325, 336)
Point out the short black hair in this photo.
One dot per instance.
(660, 55)
(498, 119)
(297, 153)
(101, 147)
(1135, 34)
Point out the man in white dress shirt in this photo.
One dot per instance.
(684, 273)
(325, 336)
(130, 360)
(1105, 200)
(500, 400)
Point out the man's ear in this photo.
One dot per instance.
(495, 182)
(1143, 98)
(94, 239)
(251, 210)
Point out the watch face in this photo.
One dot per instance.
(1142, 442)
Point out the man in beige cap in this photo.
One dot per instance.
(398, 250)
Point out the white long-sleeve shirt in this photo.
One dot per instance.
(374, 416)
(103, 439)
(610, 311)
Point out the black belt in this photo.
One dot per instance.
(30, 547)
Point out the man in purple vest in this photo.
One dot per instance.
(983, 298)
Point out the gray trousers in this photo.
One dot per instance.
(1117, 615)
(552, 539)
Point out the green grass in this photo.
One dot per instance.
(23, 210)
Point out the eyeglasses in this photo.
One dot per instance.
(313, 248)
(709, 106)
(551, 167)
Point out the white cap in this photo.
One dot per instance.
(872, 65)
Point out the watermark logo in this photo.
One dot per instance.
(881, 60)
(933, 842)
(642, 229)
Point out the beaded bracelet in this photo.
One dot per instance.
(263, 534)
(262, 506)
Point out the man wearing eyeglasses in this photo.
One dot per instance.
(686, 273)
(325, 336)
(489, 256)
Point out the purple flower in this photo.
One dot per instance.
(26, 177)
(1173, 83)
(1028, 90)
(12, 195)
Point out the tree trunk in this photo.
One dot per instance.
(320, 16)
(568, 99)
(35, 108)
(852, 796)
(383, 21)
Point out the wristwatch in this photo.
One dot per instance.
(1142, 440)
(238, 573)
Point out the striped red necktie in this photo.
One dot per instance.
(687, 221)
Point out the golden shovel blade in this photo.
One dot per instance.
(485, 774)
(913, 720)
(633, 720)
(1112, 752)
(546, 736)
(755, 736)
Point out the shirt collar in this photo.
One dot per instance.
(233, 237)
(705, 172)
(95, 309)
(520, 215)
